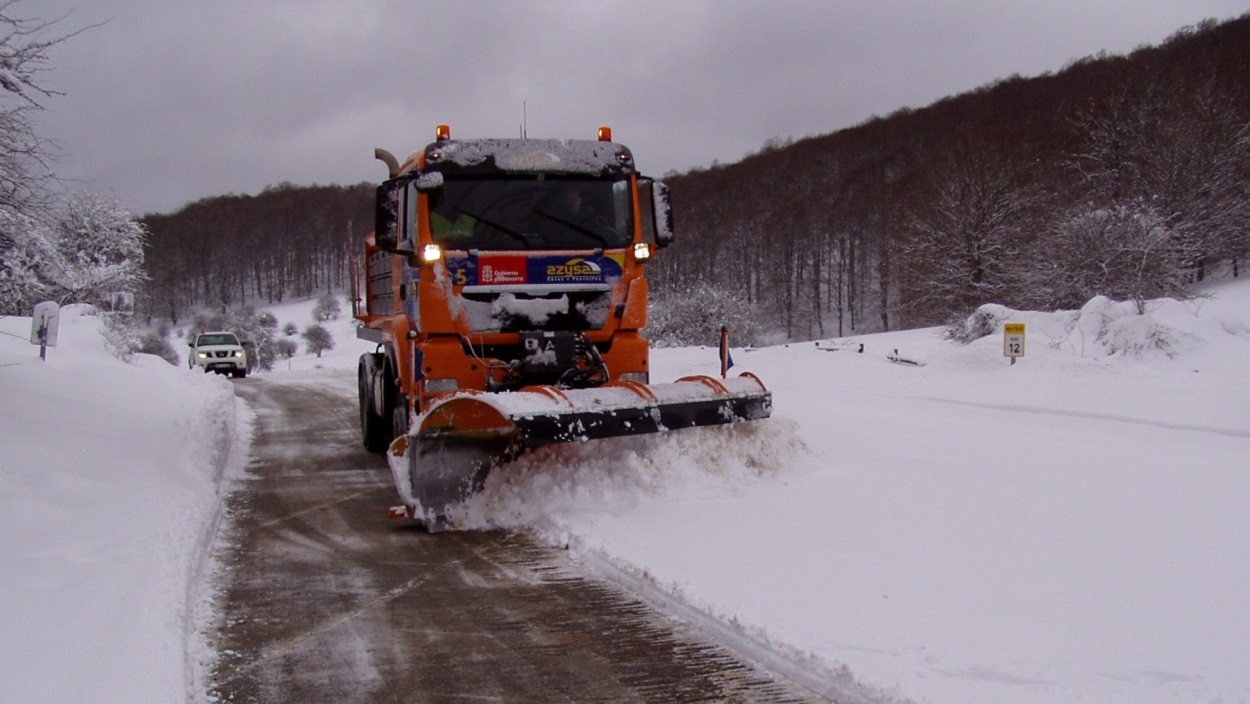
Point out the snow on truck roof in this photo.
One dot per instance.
(571, 156)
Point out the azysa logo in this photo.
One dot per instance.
(575, 269)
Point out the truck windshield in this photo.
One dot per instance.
(532, 212)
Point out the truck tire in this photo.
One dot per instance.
(375, 428)
(399, 417)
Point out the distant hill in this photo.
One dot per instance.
(1120, 175)
(1126, 176)
(286, 241)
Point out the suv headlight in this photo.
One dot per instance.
(238, 353)
(202, 355)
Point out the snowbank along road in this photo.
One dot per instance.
(322, 598)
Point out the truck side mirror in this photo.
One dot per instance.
(389, 214)
(657, 214)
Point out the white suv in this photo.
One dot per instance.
(218, 352)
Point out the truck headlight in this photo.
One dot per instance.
(202, 355)
(439, 386)
(238, 353)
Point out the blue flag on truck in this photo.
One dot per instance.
(726, 359)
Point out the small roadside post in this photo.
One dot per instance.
(1013, 340)
(43, 326)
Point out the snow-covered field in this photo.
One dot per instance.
(1071, 528)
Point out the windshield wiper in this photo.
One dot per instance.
(579, 228)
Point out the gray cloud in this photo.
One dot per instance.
(168, 102)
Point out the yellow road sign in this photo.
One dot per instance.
(1013, 340)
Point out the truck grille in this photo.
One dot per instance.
(574, 311)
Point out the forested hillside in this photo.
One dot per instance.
(286, 241)
(1119, 175)
(1127, 176)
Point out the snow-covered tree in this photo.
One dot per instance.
(965, 240)
(26, 254)
(81, 253)
(1122, 252)
(99, 249)
(318, 339)
(326, 308)
(285, 347)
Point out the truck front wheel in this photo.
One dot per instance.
(399, 417)
(375, 428)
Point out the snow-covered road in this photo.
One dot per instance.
(324, 599)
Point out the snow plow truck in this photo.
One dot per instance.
(504, 286)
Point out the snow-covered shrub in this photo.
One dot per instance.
(158, 344)
(1127, 328)
(1138, 336)
(982, 323)
(125, 338)
(285, 347)
(122, 338)
(694, 316)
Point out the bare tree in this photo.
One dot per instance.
(317, 339)
(326, 308)
(25, 177)
(965, 237)
(1122, 252)
(1165, 146)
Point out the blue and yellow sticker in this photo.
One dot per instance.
(490, 269)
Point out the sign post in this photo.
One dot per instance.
(1013, 340)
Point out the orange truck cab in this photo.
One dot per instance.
(498, 264)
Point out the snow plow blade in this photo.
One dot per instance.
(455, 445)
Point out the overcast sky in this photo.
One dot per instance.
(169, 101)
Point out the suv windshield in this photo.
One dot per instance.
(532, 212)
(216, 340)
